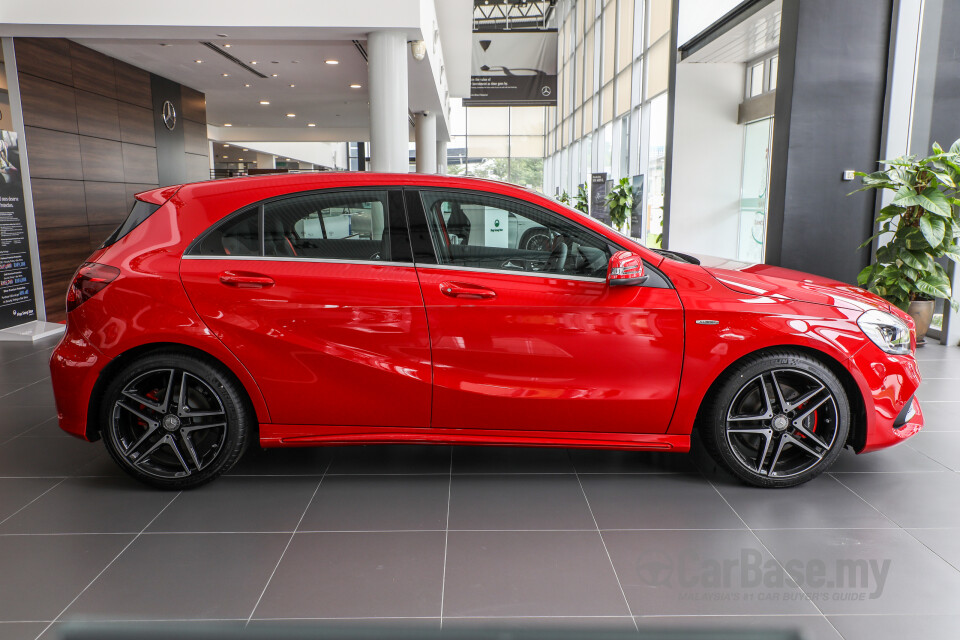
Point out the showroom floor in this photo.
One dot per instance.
(461, 536)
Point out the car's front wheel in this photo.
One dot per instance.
(175, 421)
(778, 420)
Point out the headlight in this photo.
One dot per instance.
(886, 331)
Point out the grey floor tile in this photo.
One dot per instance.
(21, 630)
(357, 575)
(701, 573)
(866, 570)
(239, 504)
(941, 447)
(391, 459)
(530, 573)
(511, 460)
(183, 577)
(813, 627)
(910, 499)
(52, 456)
(673, 501)
(897, 458)
(421, 628)
(940, 416)
(936, 388)
(305, 461)
(518, 502)
(91, 505)
(16, 493)
(379, 503)
(584, 625)
(16, 419)
(938, 368)
(886, 627)
(943, 542)
(589, 461)
(37, 394)
(131, 630)
(49, 428)
(821, 503)
(42, 574)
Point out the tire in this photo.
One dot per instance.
(779, 419)
(536, 239)
(175, 421)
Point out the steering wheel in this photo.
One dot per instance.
(558, 258)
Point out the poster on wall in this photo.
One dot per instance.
(16, 280)
(636, 212)
(513, 68)
(599, 208)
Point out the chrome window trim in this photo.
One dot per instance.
(535, 274)
(295, 259)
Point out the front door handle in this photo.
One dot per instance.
(245, 280)
(467, 290)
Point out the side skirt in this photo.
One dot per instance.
(279, 435)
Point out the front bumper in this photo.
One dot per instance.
(889, 384)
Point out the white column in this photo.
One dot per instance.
(266, 161)
(441, 157)
(387, 81)
(425, 130)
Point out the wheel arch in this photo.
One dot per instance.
(122, 360)
(858, 412)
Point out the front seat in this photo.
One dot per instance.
(458, 224)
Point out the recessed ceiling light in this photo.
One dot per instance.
(227, 124)
(291, 115)
(227, 45)
(246, 149)
(253, 62)
(331, 61)
(198, 61)
(225, 146)
(247, 86)
(222, 35)
(292, 86)
(273, 75)
(355, 86)
(264, 102)
(225, 75)
(224, 156)
(311, 124)
(240, 159)
(287, 159)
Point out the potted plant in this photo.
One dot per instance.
(620, 201)
(564, 198)
(920, 225)
(582, 202)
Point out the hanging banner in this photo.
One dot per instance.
(514, 68)
(636, 212)
(17, 304)
(599, 208)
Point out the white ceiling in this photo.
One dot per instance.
(321, 93)
(745, 40)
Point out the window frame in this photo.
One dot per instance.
(396, 225)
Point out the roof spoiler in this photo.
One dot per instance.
(158, 196)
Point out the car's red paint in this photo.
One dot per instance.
(349, 352)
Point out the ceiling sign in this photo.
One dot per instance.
(514, 68)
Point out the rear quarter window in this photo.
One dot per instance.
(140, 212)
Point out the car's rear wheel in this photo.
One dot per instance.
(174, 421)
(778, 420)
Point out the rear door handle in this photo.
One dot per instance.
(245, 280)
(467, 290)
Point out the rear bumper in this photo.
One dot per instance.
(74, 367)
(889, 384)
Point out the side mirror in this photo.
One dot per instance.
(625, 268)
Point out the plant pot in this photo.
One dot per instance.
(922, 313)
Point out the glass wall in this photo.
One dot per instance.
(612, 112)
(502, 143)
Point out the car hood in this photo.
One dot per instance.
(777, 282)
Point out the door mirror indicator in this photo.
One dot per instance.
(625, 268)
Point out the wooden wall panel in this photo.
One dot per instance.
(106, 203)
(102, 159)
(45, 58)
(48, 104)
(139, 164)
(53, 154)
(97, 116)
(59, 203)
(99, 233)
(93, 71)
(193, 104)
(136, 124)
(133, 84)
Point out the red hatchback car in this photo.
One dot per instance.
(348, 308)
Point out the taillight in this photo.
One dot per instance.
(91, 278)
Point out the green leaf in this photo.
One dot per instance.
(910, 259)
(937, 147)
(930, 199)
(932, 229)
(933, 289)
(955, 147)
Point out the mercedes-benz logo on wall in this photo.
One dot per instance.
(169, 115)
